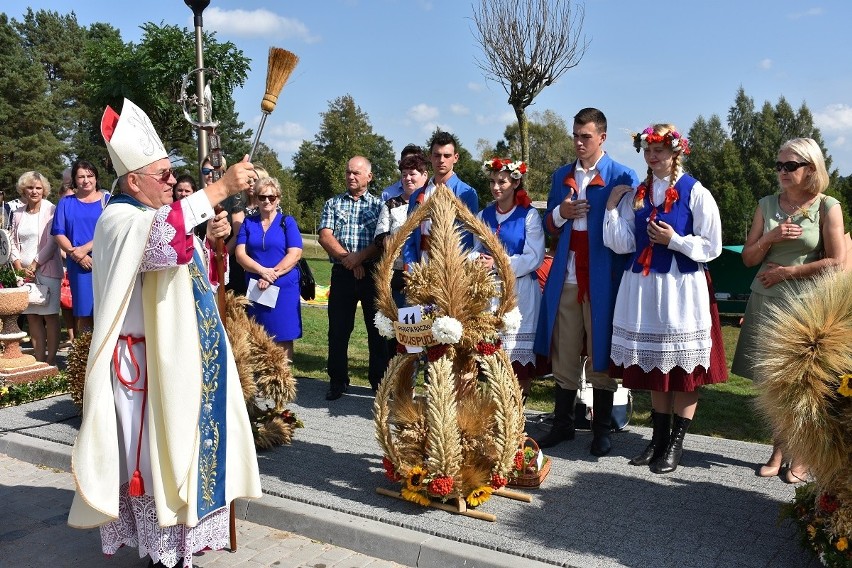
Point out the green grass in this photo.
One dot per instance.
(725, 410)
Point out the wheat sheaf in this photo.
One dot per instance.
(464, 424)
(805, 349)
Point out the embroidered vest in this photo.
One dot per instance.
(680, 219)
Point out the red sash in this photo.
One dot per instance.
(580, 246)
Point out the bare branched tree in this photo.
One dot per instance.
(527, 45)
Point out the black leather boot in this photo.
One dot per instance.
(601, 421)
(670, 459)
(659, 440)
(563, 419)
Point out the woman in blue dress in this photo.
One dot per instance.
(74, 228)
(269, 247)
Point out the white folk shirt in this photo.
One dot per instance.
(582, 177)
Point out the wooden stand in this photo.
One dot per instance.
(511, 494)
(459, 506)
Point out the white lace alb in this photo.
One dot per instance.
(137, 526)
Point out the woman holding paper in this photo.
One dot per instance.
(269, 247)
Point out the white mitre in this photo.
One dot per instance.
(130, 138)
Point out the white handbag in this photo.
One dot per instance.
(39, 293)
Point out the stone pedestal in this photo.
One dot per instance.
(15, 366)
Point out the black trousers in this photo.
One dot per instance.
(346, 291)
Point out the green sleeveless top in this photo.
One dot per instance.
(807, 248)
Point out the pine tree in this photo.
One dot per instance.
(56, 41)
(715, 162)
(27, 139)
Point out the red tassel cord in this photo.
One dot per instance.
(646, 255)
(137, 484)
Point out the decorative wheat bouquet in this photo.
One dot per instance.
(450, 418)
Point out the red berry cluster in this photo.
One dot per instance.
(487, 347)
(440, 486)
(519, 460)
(436, 352)
(828, 503)
(390, 470)
(498, 481)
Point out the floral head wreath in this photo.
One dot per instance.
(673, 139)
(515, 169)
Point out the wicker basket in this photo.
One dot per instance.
(531, 475)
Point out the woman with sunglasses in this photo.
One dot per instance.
(796, 234)
(269, 247)
(74, 228)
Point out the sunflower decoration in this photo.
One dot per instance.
(267, 383)
(807, 397)
(452, 434)
(415, 483)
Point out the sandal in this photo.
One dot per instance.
(793, 477)
(769, 470)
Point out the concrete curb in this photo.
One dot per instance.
(367, 536)
(373, 538)
(36, 451)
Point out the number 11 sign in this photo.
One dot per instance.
(412, 331)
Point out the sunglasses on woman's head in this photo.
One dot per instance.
(207, 171)
(269, 198)
(789, 167)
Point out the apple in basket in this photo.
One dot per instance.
(533, 466)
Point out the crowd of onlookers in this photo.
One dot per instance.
(627, 299)
(51, 246)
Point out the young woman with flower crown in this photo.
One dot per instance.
(666, 335)
(518, 226)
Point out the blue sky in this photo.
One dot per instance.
(410, 64)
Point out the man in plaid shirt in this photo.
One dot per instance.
(346, 232)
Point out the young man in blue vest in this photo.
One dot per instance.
(575, 323)
(443, 153)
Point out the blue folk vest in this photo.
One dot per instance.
(512, 231)
(680, 219)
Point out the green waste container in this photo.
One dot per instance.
(731, 280)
